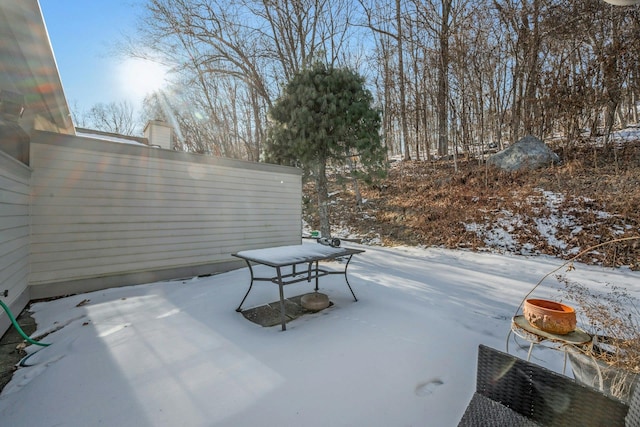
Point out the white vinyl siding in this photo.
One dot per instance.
(14, 227)
(102, 208)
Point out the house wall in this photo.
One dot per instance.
(14, 235)
(106, 214)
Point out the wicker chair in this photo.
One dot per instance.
(513, 392)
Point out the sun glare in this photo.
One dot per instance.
(139, 77)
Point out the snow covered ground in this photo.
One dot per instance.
(177, 354)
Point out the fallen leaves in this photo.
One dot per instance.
(555, 211)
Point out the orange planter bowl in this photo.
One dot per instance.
(550, 316)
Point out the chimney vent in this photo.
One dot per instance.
(159, 134)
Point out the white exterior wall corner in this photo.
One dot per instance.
(15, 179)
(105, 214)
(159, 134)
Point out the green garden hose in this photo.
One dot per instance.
(19, 329)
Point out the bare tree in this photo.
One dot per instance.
(378, 20)
(236, 55)
(115, 117)
(453, 74)
(401, 82)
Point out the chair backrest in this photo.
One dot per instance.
(542, 395)
(633, 416)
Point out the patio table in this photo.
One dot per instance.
(282, 257)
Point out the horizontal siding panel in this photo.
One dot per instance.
(14, 226)
(108, 255)
(11, 197)
(169, 195)
(15, 244)
(54, 157)
(15, 273)
(63, 188)
(9, 210)
(73, 178)
(60, 271)
(97, 239)
(10, 185)
(194, 200)
(14, 233)
(12, 258)
(95, 271)
(64, 158)
(105, 213)
(131, 198)
(16, 283)
(159, 212)
(133, 246)
(183, 255)
(163, 221)
(16, 221)
(161, 172)
(45, 233)
(49, 252)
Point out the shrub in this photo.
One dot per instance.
(611, 362)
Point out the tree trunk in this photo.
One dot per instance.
(531, 113)
(386, 122)
(356, 188)
(322, 191)
(443, 76)
(403, 100)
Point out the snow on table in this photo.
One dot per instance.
(295, 254)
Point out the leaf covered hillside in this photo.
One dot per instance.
(591, 197)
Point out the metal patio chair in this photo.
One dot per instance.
(512, 392)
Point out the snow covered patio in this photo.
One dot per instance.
(177, 353)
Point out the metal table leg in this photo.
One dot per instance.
(239, 309)
(282, 312)
(347, 280)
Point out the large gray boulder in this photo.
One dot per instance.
(528, 153)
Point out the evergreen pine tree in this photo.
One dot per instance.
(325, 117)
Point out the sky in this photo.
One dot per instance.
(177, 353)
(84, 35)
